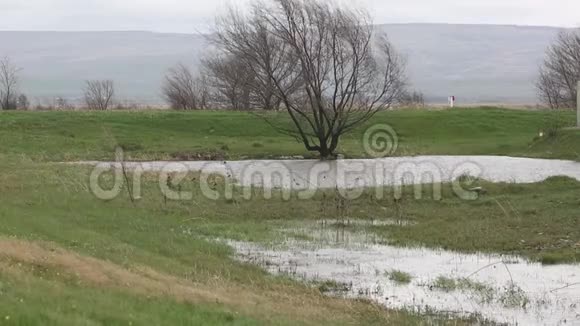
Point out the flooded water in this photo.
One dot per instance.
(507, 290)
(502, 289)
(305, 174)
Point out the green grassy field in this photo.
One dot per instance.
(68, 258)
(67, 136)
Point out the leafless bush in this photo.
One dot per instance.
(55, 104)
(326, 65)
(231, 81)
(127, 106)
(560, 72)
(22, 102)
(99, 94)
(61, 103)
(411, 99)
(183, 91)
(8, 85)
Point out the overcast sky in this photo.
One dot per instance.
(197, 15)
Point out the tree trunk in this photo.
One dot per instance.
(326, 152)
(325, 155)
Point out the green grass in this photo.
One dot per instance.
(510, 296)
(448, 284)
(484, 292)
(538, 221)
(332, 287)
(67, 136)
(399, 277)
(28, 300)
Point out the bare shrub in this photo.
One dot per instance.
(99, 94)
(411, 99)
(183, 91)
(22, 103)
(61, 103)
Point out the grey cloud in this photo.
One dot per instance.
(196, 15)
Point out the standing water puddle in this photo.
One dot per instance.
(311, 174)
(502, 289)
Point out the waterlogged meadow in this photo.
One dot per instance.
(348, 249)
(486, 287)
(508, 254)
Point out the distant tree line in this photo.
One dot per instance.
(225, 84)
(98, 94)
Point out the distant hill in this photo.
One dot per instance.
(58, 63)
(476, 63)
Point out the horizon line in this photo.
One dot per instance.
(200, 33)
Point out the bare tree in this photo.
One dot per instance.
(183, 91)
(8, 85)
(231, 81)
(99, 94)
(329, 68)
(560, 72)
(250, 42)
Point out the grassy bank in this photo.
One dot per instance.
(67, 136)
(538, 221)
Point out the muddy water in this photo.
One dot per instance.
(304, 174)
(512, 290)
